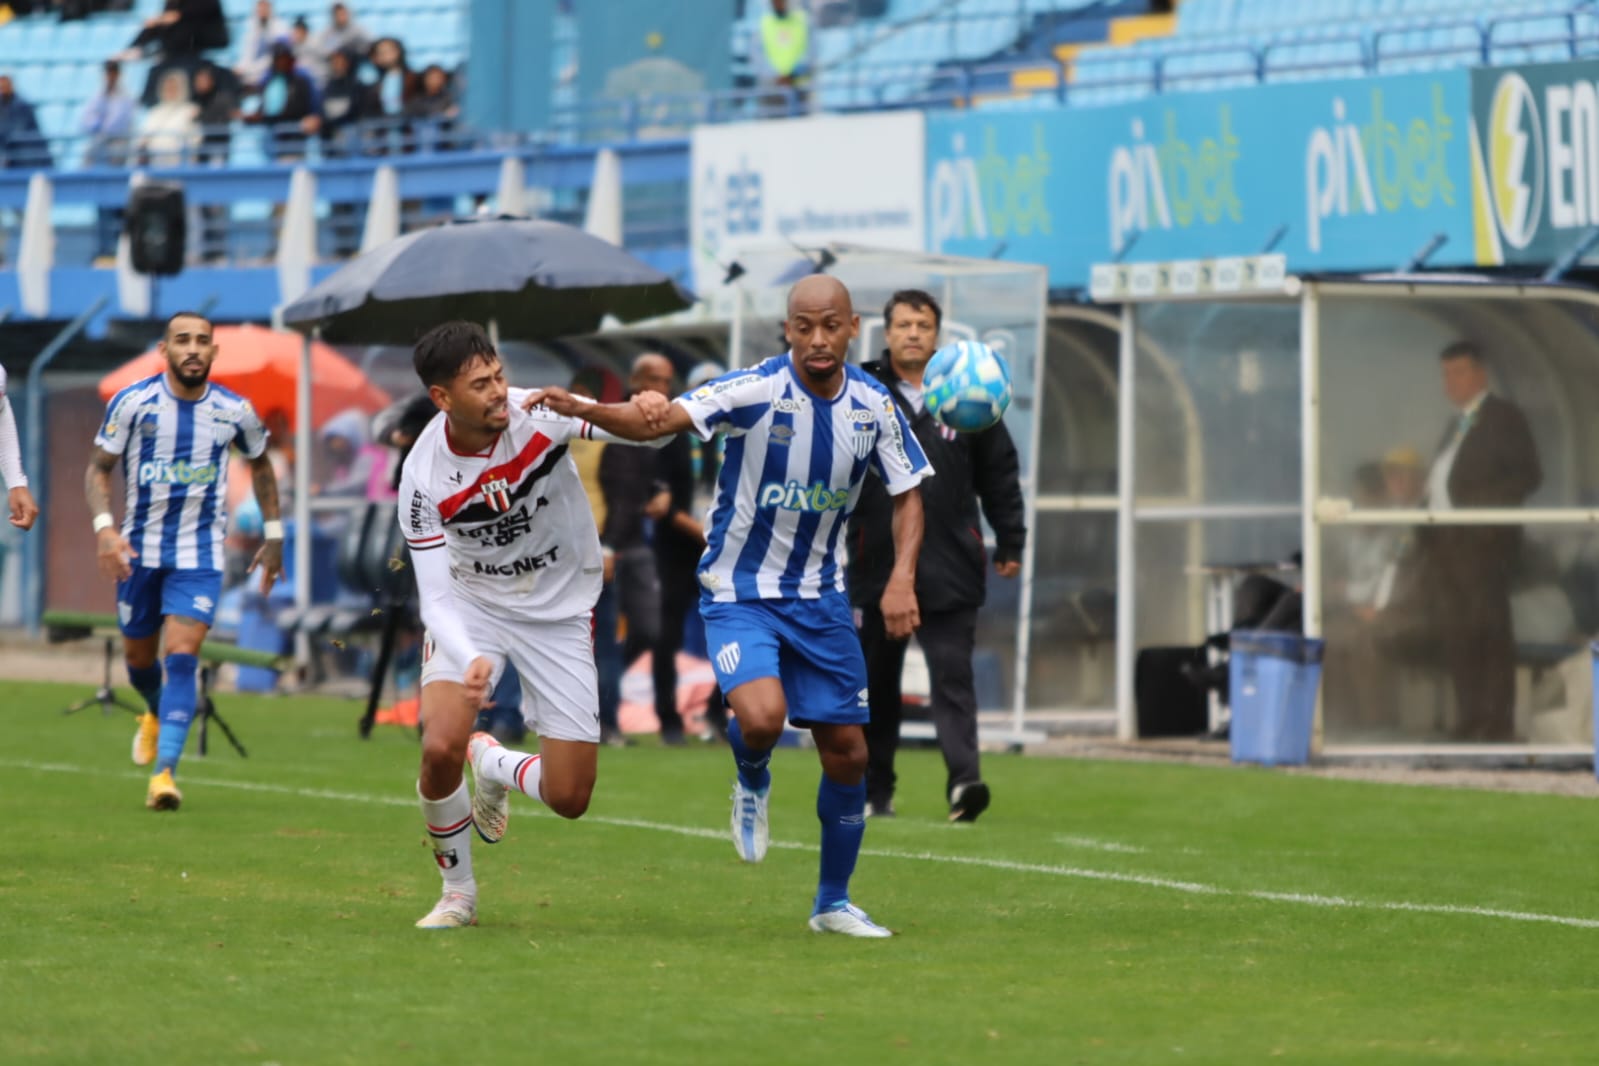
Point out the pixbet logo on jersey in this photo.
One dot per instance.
(797, 497)
(182, 472)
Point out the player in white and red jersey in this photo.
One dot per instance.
(19, 500)
(508, 566)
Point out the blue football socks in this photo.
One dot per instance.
(178, 698)
(752, 765)
(842, 811)
(147, 682)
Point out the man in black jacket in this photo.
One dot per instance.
(950, 575)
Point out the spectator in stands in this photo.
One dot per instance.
(288, 106)
(217, 108)
(346, 462)
(184, 28)
(22, 145)
(435, 107)
(342, 33)
(107, 121)
(396, 84)
(261, 31)
(346, 101)
(169, 134)
(785, 47)
(1486, 459)
(306, 56)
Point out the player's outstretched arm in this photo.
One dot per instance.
(647, 416)
(900, 613)
(264, 480)
(112, 550)
(19, 498)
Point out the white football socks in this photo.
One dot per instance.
(513, 769)
(449, 825)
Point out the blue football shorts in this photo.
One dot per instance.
(809, 645)
(152, 593)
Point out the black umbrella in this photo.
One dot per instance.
(535, 280)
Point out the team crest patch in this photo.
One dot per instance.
(497, 494)
(865, 437)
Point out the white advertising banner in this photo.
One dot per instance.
(854, 179)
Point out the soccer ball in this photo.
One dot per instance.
(966, 386)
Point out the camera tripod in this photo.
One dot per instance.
(205, 710)
(106, 696)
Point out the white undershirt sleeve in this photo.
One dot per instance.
(440, 612)
(10, 449)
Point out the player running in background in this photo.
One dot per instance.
(802, 430)
(508, 567)
(24, 511)
(171, 433)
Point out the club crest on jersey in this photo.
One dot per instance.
(865, 436)
(497, 494)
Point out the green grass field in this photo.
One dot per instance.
(1100, 912)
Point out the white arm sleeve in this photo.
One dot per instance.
(440, 614)
(10, 449)
(430, 560)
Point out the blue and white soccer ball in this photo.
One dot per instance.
(966, 386)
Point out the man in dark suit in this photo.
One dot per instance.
(950, 578)
(1486, 459)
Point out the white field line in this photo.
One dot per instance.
(1095, 844)
(1045, 869)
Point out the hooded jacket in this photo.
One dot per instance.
(952, 571)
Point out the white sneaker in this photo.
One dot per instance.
(491, 802)
(849, 920)
(751, 832)
(454, 910)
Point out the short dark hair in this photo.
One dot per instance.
(917, 300)
(444, 350)
(1462, 350)
(187, 314)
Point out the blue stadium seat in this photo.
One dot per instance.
(1530, 38)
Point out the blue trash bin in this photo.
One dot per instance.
(1274, 678)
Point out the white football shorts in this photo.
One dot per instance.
(555, 660)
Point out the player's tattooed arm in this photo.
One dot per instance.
(270, 556)
(264, 480)
(97, 481)
(113, 553)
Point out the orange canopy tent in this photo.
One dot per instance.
(263, 366)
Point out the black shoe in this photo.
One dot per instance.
(966, 802)
(880, 809)
(614, 738)
(672, 738)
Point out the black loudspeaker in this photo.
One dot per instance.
(1169, 704)
(157, 228)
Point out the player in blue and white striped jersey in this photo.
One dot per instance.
(801, 429)
(171, 433)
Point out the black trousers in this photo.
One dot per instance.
(947, 641)
(680, 588)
